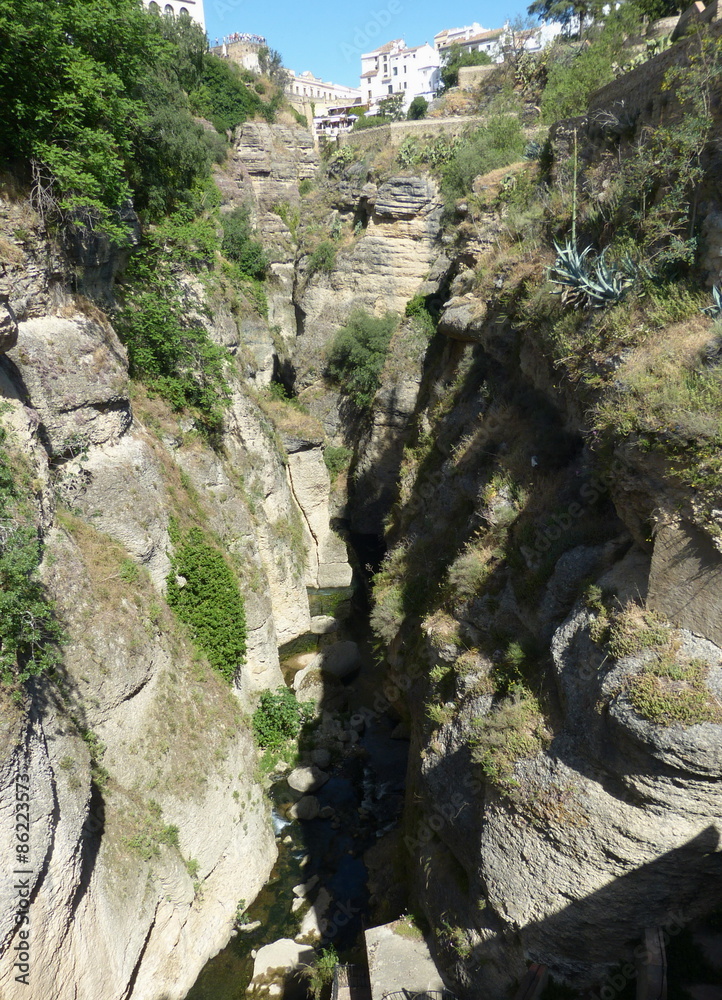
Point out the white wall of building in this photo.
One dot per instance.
(194, 8)
(306, 86)
(395, 69)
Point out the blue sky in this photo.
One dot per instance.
(328, 36)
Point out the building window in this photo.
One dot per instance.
(154, 7)
(391, 89)
(168, 9)
(405, 68)
(404, 84)
(396, 70)
(184, 10)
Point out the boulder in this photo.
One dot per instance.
(339, 660)
(284, 954)
(307, 779)
(323, 624)
(305, 809)
(304, 888)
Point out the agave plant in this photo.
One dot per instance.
(715, 309)
(589, 283)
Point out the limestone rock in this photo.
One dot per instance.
(307, 779)
(285, 954)
(685, 579)
(76, 378)
(313, 921)
(339, 660)
(305, 809)
(304, 888)
(321, 757)
(328, 564)
(463, 318)
(323, 624)
(8, 328)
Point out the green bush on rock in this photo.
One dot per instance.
(277, 719)
(203, 592)
(358, 353)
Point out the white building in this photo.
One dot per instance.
(394, 69)
(471, 38)
(474, 38)
(194, 9)
(306, 87)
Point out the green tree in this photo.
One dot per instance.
(86, 88)
(566, 12)
(392, 107)
(270, 62)
(222, 95)
(570, 83)
(358, 353)
(454, 58)
(417, 109)
(240, 246)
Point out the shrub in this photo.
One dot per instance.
(239, 245)
(500, 142)
(512, 731)
(29, 631)
(358, 353)
(455, 58)
(668, 693)
(203, 592)
(277, 719)
(320, 974)
(323, 258)
(171, 353)
(337, 459)
(417, 309)
(417, 109)
(222, 95)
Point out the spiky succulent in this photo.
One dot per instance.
(715, 309)
(589, 283)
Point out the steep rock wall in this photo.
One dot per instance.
(147, 823)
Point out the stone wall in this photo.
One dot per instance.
(638, 97)
(472, 76)
(395, 133)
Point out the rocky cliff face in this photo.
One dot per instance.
(554, 835)
(147, 822)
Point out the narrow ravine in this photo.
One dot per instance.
(361, 801)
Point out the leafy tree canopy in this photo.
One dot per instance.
(95, 93)
(456, 57)
(417, 109)
(567, 12)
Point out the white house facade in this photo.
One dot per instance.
(307, 87)
(395, 69)
(471, 38)
(194, 9)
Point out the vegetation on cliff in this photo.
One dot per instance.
(29, 630)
